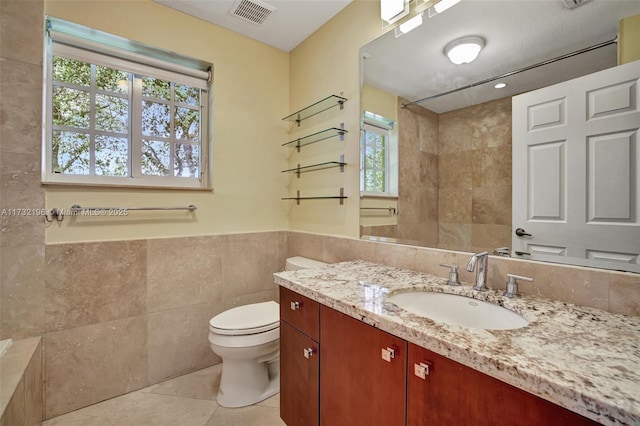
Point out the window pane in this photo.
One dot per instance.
(156, 158)
(156, 88)
(112, 80)
(187, 124)
(70, 107)
(112, 114)
(187, 94)
(187, 160)
(111, 156)
(70, 153)
(155, 119)
(70, 71)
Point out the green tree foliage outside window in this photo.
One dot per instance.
(95, 129)
(374, 162)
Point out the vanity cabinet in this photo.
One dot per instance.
(299, 359)
(443, 392)
(373, 378)
(357, 386)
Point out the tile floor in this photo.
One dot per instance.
(184, 401)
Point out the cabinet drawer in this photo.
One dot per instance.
(301, 312)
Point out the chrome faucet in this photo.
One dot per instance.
(481, 271)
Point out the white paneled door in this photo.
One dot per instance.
(576, 174)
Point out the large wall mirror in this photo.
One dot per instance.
(437, 138)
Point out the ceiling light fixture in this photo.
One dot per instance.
(441, 6)
(500, 85)
(409, 25)
(464, 50)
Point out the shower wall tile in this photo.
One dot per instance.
(455, 205)
(624, 293)
(491, 166)
(93, 363)
(489, 237)
(21, 30)
(22, 291)
(21, 105)
(184, 271)
(491, 205)
(490, 124)
(453, 133)
(91, 283)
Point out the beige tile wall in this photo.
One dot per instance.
(475, 177)
(21, 234)
(126, 314)
(418, 175)
(21, 379)
(617, 292)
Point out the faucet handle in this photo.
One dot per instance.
(512, 284)
(453, 274)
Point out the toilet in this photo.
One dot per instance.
(247, 338)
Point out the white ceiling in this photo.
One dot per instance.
(291, 22)
(518, 33)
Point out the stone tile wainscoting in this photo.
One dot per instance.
(122, 315)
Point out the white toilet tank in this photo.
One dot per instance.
(298, 262)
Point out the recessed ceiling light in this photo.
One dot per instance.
(500, 85)
(464, 50)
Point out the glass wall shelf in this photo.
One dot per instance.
(320, 166)
(316, 137)
(320, 106)
(298, 198)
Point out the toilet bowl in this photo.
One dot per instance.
(247, 338)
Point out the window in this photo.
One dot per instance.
(376, 173)
(117, 118)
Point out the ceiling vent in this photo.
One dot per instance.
(252, 10)
(572, 4)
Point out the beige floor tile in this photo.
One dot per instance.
(273, 402)
(163, 410)
(106, 413)
(254, 415)
(202, 384)
(188, 400)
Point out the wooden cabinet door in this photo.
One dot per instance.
(357, 386)
(299, 377)
(453, 394)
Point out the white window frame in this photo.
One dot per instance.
(72, 46)
(377, 124)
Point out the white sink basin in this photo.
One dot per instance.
(458, 310)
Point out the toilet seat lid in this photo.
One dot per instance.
(247, 319)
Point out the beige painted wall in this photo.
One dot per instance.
(629, 34)
(251, 90)
(328, 63)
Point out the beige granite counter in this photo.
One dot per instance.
(584, 359)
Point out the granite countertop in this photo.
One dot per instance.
(581, 358)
